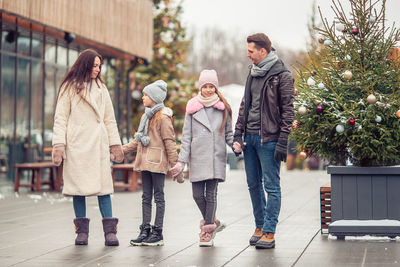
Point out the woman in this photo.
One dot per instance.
(85, 138)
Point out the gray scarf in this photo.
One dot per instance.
(265, 65)
(142, 134)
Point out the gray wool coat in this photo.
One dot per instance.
(202, 145)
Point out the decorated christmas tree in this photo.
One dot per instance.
(348, 97)
(168, 63)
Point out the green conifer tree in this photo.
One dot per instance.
(348, 102)
(168, 63)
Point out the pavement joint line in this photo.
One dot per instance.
(364, 256)
(32, 225)
(294, 212)
(173, 254)
(39, 255)
(26, 241)
(35, 214)
(116, 248)
(304, 250)
(237, 254)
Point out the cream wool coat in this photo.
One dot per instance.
(86, 125)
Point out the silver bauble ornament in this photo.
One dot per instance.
(340, 27)
(371, 99)
(136, 94)
(302, 110)
(310, 81)
(339, 128)
(327, 42)
(372, 19)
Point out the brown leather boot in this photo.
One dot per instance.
(256, 236)
(266, 241)
(82, 229)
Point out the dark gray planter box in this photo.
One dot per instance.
(365, 200)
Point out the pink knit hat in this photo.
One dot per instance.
(208, 76)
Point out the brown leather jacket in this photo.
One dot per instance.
(277, 111)
(160, 154)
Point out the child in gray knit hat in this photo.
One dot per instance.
(155, 145)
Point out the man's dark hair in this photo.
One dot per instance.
(260, 40)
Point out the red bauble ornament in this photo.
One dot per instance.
(355, 31)
(314, 73)
(320, 108)
(352, 122)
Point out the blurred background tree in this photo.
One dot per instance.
(168, 63)
(348, 91)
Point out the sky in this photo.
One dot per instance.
(284, 21)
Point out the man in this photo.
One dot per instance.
(261, 132)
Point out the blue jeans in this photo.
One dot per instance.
(104, 205)
(262, 172)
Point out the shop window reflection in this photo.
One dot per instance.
(37, 50)
(61, 55)
(50, 50)
(23, 43)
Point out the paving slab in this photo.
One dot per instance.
(36, 229)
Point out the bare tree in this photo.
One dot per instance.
(214, 48)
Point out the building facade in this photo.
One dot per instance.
(40, 40)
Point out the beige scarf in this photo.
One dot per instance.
(208, 101)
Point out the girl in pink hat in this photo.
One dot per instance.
(206, 131)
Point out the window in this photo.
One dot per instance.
(23, 43)
(37, 43)
(61, 55)
(50, 50)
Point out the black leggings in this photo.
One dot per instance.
(205, 195)
(153, 182)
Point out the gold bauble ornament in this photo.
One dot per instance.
(398, 113)
(295, 124)
(302, 155)
(347, 75)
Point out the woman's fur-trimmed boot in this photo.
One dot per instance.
(82, 229)
(110, 231)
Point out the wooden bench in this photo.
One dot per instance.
(130, 178)
(55, 176)
(325, 203)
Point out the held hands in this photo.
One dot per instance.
(281, 150)
(179, 178)
(116, 153)
(58, 154)
(177, 169)
(238, 147)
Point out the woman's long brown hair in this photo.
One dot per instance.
(80, 72)
(228, 110)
